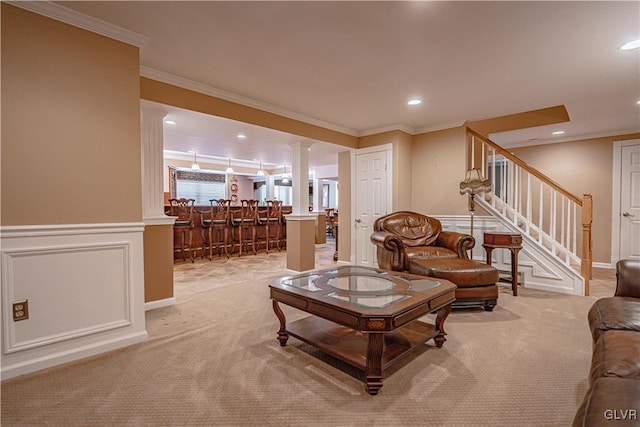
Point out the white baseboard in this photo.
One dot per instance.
(152, 305)
(603, 265)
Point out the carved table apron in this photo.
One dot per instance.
(363, 316)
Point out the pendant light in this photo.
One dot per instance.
(285, 176)
(229, 169)
(260, 171)
(195, 166)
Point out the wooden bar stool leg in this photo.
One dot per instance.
(254, 237)
(192, 255)
(226, 241)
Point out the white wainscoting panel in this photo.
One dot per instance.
(538, 270)
(85, 289)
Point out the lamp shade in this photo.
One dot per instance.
(474, 183)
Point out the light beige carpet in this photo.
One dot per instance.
(213, 359)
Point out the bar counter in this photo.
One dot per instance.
(200, 212)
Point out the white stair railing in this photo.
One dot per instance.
(535, 205)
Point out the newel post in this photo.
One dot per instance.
(587, 250)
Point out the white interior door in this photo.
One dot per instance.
(630, 202)
(372, 198)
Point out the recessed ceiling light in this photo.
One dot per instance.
(638, 102)
(170, 122)
(241, 136)
(633, 44)
(558, 132)
(415, 101)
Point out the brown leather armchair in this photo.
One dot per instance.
(628, 278)
(404, 235)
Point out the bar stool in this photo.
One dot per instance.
(183, 227)
(283, 225)
(262, 234)
(271, 219)
(245, 222)
(330, 222)
(217, 225)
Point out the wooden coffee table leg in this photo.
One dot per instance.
(283, 336)
(442, 315)
(374, 362)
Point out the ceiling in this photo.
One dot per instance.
(354, 65)
(216, 140)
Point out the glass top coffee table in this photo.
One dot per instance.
(365, 317)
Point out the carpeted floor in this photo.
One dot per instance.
(213, 359)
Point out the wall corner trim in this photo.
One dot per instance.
(159, 220)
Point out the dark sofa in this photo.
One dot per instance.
(613, 397)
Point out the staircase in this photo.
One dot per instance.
(555, 224)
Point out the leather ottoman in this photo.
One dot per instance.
(476, 281)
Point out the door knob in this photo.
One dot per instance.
(628, 215)
(358, 221)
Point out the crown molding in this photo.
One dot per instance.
(182, 82)
(80, 20)
(571, 138)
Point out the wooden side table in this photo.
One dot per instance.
(511, 241)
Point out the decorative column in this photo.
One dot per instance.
(151, 133)
(158, 230)
(301, 225)
(270, 184)
(300, 180)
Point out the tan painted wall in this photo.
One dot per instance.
(344, 201)
(70, 124)
(301, 244)
(438, 166)
(583, 166)
(158, 265)
(164, 93)
(402, 167)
